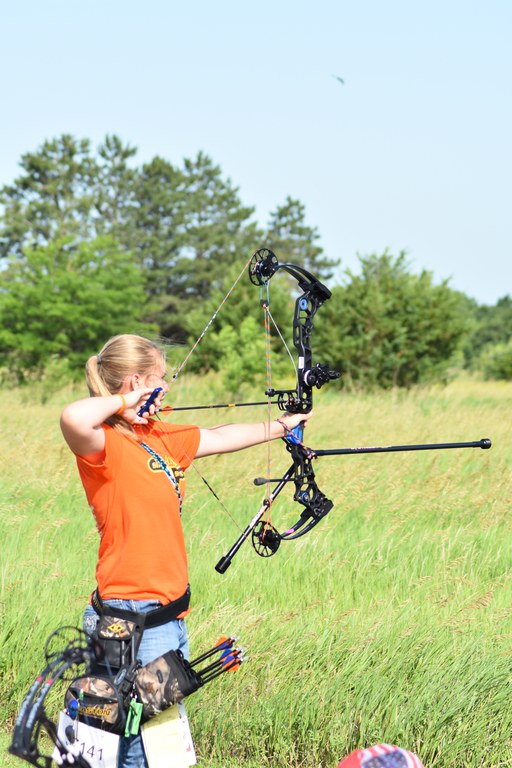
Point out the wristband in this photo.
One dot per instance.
(286, 429)
(123, 405)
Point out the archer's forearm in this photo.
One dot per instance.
(227, 438)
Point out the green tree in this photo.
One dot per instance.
(229, 315)
(216, 237)
(295, 242)
(492, 325)
(63, 301)
(65, 190)
(113, 191)
(496, 361)
(241, 355)
(157, 236)
(51, 199)
(215, 228)
(185, 229)
(387, 327)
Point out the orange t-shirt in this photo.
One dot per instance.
(142, 552)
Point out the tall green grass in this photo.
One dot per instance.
(391, 621)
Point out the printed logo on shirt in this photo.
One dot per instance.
(172, 465)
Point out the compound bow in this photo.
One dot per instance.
(265, 538)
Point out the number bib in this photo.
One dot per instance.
(98, 747)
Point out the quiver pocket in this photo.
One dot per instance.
(120, 639)
(97, 701)
(165, 681)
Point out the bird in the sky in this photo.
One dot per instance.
(341, 80)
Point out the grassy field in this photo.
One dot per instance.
(391, 621)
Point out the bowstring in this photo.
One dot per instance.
(205, 481)
(265, 304)
(268, 318)
(216, 496)
(282, 339)
(181, 366)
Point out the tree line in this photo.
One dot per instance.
(92, 244)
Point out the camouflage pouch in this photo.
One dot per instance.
(97, 701)
(164, 682)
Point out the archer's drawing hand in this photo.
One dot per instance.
(81, 421)
(136, 401)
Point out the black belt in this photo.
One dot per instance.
(152, 618)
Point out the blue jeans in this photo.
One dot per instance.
(155, 642)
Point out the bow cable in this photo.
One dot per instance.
(265, 530)
(265, 305)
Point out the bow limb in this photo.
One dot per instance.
(32, 721)
(265, 538)
(252, 527)
(316, 504)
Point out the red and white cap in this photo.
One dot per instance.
(381, 756)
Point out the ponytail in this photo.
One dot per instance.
(121, 356)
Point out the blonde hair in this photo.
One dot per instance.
(119, 357)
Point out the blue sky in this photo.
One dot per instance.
(412, 152)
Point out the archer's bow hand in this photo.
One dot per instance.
(290, 421)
